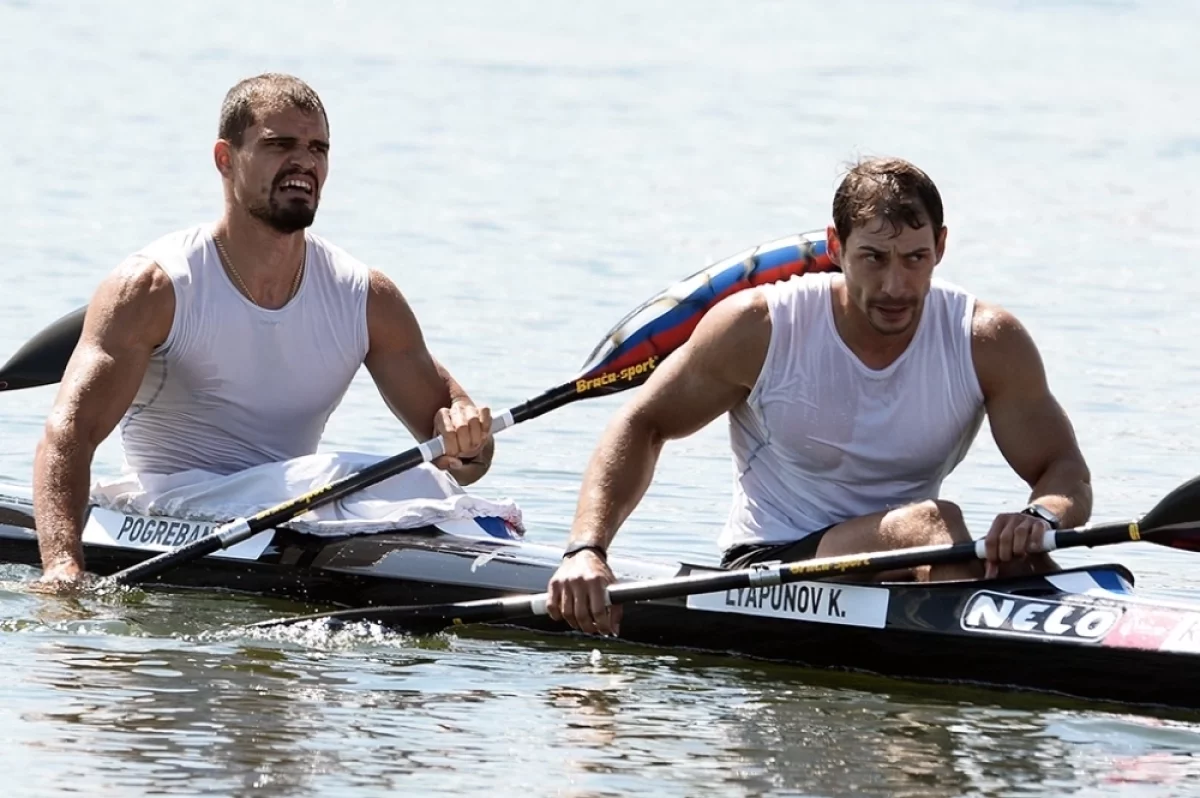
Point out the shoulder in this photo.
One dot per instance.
(993, 326)
(1002, 347)
(139, 278)
(742, 313)
(135, 300)
(382, 288)
(731, 340)
(390, 319)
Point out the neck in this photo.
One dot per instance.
(266, 260)
(874, 349)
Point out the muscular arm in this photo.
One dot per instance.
(706, 377)
(412, 383)
(130, 314)
(1029, 426)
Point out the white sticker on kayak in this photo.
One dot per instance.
(1019, 616)
(817, 602)
(159, 533)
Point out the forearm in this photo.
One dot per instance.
(615, 480)
(454, 391)
(60, 496)
(1065, 489)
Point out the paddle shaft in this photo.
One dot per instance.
(432, 617)
(767, 575)
(234, 532)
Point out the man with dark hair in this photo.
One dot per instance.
(253, 96)
(227, 346)
(850, 397)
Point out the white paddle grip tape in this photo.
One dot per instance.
(503, 422)
(537, 604)
(236, 530)
(432, 449)
(1049, 544)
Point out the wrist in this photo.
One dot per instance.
(1040, 511)
(575, 548)
(62, 568)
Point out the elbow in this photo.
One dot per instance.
(56, 432)
(1069, 466)
(1085, 489)
(635, 425)
(1083, 476)
(62, 436)
(1075, 477)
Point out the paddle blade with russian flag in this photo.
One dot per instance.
(629, 353)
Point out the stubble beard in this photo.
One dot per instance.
(284, 218)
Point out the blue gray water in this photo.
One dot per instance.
(527, 172)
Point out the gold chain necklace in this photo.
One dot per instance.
(242, 283)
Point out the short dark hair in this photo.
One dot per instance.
(267, 92)
(891, 189)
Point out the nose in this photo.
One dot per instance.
(893, 279)
(303, 159)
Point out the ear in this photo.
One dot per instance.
(833, 247)
(223, 157)
(940, 247)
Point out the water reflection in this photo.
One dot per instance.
(145, 707)
(230, 718)
(754, 729)
(522, 714)
(792, 735)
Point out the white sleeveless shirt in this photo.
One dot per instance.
(236, 385)
(822, 438)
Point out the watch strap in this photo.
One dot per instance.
(1038, 511)
(575, 548)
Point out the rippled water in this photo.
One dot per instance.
(528, 172)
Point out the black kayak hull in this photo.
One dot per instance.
(1082, 633)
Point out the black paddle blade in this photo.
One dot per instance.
(43, 359)
(1175, 520)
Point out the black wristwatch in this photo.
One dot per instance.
(578, 547)
(1038, 511)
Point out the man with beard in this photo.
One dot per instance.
(227, 346)
(850, 398)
